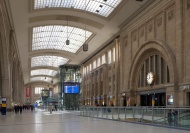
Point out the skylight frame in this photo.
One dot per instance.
(45, 72)
(101, 7)
(41, 78)
(48, 60)
(53, 37)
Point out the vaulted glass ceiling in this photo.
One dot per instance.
(47, 72)
(55, 36)
(100, 7)
(47, 79)
(54, 61)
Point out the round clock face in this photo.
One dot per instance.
(150, 78)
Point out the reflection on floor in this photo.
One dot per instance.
(40, 121)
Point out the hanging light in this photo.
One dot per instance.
(67, 41)
(85, 45)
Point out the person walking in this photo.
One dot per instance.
(170, 117)
(20, 108)
(55, 107)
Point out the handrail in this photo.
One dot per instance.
(149, 115)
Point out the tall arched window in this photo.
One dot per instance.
(157, 65)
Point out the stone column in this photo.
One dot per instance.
(83, 84)
(105, 79)
(179, 48)
(6, 91)
(22, 91)
(117, 76)
(17, 83)
(13, 81)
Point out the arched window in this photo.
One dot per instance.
(157, 65)
(38, 90)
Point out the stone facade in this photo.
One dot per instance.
(11, 78)
(163, 29)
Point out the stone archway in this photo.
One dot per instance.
(141, 54)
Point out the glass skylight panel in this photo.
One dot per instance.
(55, 36)
(100, 7)
(55, 61)
(43, 72)
(47, 79)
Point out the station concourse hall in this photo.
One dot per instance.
(94, 66)
(68, 122)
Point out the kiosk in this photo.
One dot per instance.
(3, 106)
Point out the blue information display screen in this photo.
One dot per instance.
(72, 89)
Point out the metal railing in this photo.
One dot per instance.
(169, 117)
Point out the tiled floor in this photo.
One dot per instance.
(65, 122)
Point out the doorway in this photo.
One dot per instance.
(158, 98)
(188, 98)
(124, 101)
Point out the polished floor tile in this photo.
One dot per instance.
(40, 121)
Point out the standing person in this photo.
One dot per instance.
(170, 117)
(20, 108)
(175, 118)
(31, 107)
(55, 107)
(16, 107)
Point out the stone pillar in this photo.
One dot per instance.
(117, 76)
(14, 81)
(83, 84)
(17, 83)
(22, 90)
(180, 56)
(19, 87)
(105, 79)
(6, 92)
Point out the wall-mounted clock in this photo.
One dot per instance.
(150, 78)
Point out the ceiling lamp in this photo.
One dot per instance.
(67, 41)
(85, 45)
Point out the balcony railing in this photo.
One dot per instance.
(169, 117)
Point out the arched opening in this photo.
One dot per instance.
(153, 75)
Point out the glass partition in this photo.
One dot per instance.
(169, 117)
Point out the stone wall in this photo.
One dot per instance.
(161, 28)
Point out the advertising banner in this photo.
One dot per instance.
(27, 92)
(170, 99)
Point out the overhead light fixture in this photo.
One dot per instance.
(97, 10)
(85, 45)
(67, 41)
